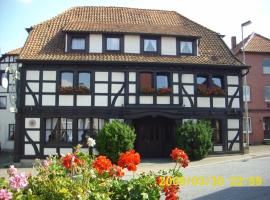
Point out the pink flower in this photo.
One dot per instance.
(18, 181)
(5, 195)
(12, 170)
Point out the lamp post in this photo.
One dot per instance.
(245, 85)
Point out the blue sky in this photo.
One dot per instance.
(223, 16)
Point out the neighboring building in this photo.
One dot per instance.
(7, 118)
(151, 68)
(257, 51)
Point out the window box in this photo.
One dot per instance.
(164, 91)
(210, 91)
(65, 90)
(81, 90)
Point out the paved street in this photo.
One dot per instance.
(231, 172)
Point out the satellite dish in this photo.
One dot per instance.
(4, 82)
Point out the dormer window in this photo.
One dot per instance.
(150, 45)
(113, 43)
(186, 47)
(78, 43)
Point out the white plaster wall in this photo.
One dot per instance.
(175, 78)
(132, 44)
(64, 151)
(146, 100)
(231, 90)
(120, 101)
(50, 151)
(118, 76)
(116, 88)
(175, 89)
(232, 80)
(48, 100)
(233, 123)
(6, 118)
(29, 100)
(33, 86)
(187, 78)
(132, 99)
(175, 100)
(219, 102)
(232, 134)
(95, 43)
(132, 88)
(189, 89)
(49, 87)
(163, 100)
(101, 76)
(32, 123)
(34, 135)
(235, 147)
(186, 102)
(236, 103)
(218, 148)
(101, 100)
(168, 46)
(101, 88)
(29, 149)
(132, 76)
(32, 75)
(83, 100)
(203, 102)
(49, 75)
(66, 100)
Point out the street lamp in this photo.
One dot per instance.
(245, 84)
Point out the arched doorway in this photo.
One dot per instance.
(155, 136)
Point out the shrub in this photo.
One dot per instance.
(195, 138)
(114, 138)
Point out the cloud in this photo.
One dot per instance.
(26, 1)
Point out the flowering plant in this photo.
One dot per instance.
(165, 90)
(80, 176)
(208, 91)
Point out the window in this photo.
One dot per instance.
(84, 80)
(267, 93)
(67, 79)
(266, 127)
(186, 47)
(146, 83)
(3, 102)
(266, 66)
(162, 81)
(84, 127)
(202, 80)
(78, 43)
(58, 130)
(2, 73)
(150, 45)
(11, 131)
(246, 93)
(217, 131)
(217, 82)
(249, 125)
(113, 43)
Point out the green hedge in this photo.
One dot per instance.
(195, 138)
(114, 138)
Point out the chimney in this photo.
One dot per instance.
(233, 42)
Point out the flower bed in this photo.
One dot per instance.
(80, 176)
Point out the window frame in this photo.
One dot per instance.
(266, 100)
(79, 36)
(194, 46)
(158, 40)
(263, 71)
(152, 81)
(78, 79)
(60, 78)
(121, 43)
(9, 131)
(164, 74)
(4, 107)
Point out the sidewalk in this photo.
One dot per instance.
(159, 164)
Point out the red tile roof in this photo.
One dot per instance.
(14, 52)
(46, 41)
(254, 43)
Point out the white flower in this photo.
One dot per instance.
(91, 142)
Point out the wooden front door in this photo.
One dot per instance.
(155, 136)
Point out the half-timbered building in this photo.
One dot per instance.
(151, 68)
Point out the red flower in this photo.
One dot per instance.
(129, 160)
(70, 160)
(116, 171)
(180, 156)
(171, 192)
(102, 164)
(158, 180)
